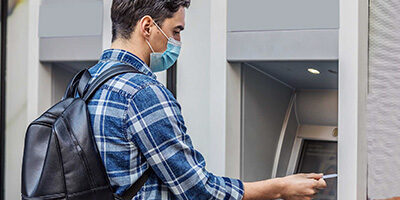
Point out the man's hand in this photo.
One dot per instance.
(301, 186)
(294, 187)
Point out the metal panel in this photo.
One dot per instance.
(258, 15)
(264, 104)
(71, 18)
(70, 49)
(60, 80)
(290, 136)
(317, 107)
(283, 45)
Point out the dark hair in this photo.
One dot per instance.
(126, 13)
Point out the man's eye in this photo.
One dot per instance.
(176, 32)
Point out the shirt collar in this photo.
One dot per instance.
(128, 58)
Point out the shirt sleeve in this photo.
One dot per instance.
(156, 126)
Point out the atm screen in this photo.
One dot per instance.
(320, 157)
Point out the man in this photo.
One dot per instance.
(138, 123)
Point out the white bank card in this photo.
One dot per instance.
(330, 176)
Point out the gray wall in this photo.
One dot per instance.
(74, 25)
(383, 113)
(60, 80)
(264, 104)
(16, 97)
(258, 15)
(72, 18)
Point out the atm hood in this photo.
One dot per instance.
(317, 95)
(68, 32)
(283, 30)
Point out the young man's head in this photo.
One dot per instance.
(143, 26)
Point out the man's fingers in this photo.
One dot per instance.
(310, 197)
(310, 175)
(321, 184)
(314, 176)
(310, 192)
(307, 197)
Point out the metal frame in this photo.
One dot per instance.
(294, 157)
(282, 135)
(300, 137)
(4, 15)
(171, 79)
(301, 154)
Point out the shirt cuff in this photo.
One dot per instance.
(235, 189)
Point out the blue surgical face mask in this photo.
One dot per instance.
(162, 61)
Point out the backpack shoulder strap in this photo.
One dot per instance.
(107, 75)
(104, 77)
(72, 87)
(134, 189)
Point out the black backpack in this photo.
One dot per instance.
(61, 159)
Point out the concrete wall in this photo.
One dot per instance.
(16, 98)
(201, 81)
(264, 105)
(193, 75)
(383, 114)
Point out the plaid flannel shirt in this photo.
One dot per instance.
(138, 124)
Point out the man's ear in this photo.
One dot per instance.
(145, 25)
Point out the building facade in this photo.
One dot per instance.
(248, 98)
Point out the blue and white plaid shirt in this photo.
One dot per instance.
(138, 124)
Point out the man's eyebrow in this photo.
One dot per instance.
(180, 27)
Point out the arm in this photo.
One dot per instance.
(299, 186)
(268, 189)
(156, 126)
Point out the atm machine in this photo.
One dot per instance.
(289, 120)
(286, 53)
(71, 38)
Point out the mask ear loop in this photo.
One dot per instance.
(148, 43)
(161, 30)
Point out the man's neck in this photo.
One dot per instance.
(139, 50)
